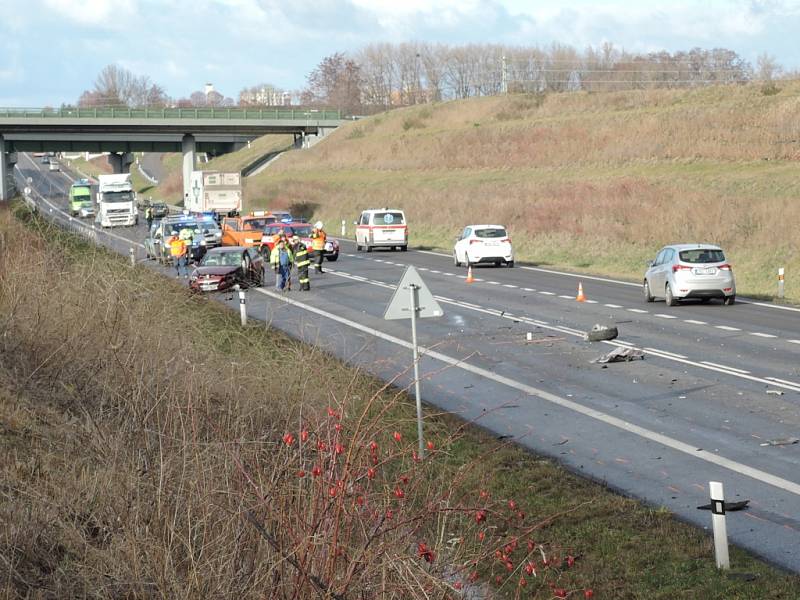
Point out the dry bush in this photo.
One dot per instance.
(156, 449)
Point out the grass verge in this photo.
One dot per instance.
(143, 428)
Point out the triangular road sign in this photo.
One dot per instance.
(400, 305)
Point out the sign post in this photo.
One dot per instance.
(412, 299)
(718, 525)
(781, 272)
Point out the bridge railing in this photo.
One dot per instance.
(172, 113)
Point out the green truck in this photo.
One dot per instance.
(80, 199)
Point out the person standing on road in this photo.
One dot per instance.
(281, 261)
(177, 249)
(318, 239)
(301, 261)
(148, 215)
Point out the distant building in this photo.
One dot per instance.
(265, 97)
(209, 87)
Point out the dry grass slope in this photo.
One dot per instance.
(593, 181)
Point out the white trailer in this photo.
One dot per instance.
(116, 201)
(214, 191)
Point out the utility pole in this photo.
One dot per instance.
(504, 77)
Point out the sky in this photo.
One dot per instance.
(52, 50)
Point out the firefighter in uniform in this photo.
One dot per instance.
(301, 261)
(318, 238)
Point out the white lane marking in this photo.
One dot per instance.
(763, 335)
(435, 271)
(493, 282)
(461, 276)
(509, 285)
(579, 276)
(673, 354)
(547, 293)
(767, 305)
(423, 269)
(794, 341)
(627, 426)
(624, 343)
(612, 305)
(566, 297)
(783, 381)
(528, 290)
(663, 316)
(693, 322)
(591, 302)
(378, 259)
(450, 274)
(727, 328)
(726, 367)
(640, 311)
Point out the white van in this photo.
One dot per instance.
(54, 165)
(382, 228)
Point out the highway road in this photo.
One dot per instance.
(717, 385)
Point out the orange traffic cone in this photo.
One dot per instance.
(470, 278)
(581, 297)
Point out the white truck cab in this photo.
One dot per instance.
(382, 228)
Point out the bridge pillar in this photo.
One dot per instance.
(7, 161)
(189, 163)
(120, 161)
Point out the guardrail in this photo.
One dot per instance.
(171, 113)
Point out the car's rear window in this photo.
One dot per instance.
(702, 255)
(492, 232)
(388, 218)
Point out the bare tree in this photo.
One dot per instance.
(336, 82)
(116, 86)
(767, 68)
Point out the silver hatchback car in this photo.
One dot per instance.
(685, 271)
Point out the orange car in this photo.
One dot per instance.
(247, 230)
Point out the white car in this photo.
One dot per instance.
(483, 244)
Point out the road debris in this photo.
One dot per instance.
(620, 355)
(781, 442)
(729, 506)
(775, 392)
(598, 333)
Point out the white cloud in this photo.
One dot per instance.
(110, 14)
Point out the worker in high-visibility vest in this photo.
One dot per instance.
(301, 261)
(178, 250)
(318, 239)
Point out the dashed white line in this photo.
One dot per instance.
(547, 293)
(591, 302)
(640, 311)
(528, 290)
(663, 316)
(566, 297)
(612, 305)
(762, 335)
(726, 367)
(727, 328)
(693, 322)
(493, 282)
(508, 285)
(783, 381)
(794, 341)
(672, 354)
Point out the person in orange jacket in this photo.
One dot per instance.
(178, 251)
(318, 239)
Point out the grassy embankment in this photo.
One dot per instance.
(583, 181)
(141, 425)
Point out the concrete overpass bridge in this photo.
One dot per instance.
(123, 131)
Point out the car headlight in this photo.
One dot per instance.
(218, 234)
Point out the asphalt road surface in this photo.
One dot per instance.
(715, 398)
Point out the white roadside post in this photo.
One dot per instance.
(344, 228)
(781, 272)
(132, 254)
(417, 302)
(242, 306)
(718, 525)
